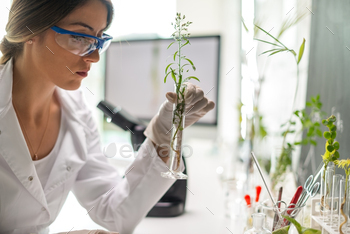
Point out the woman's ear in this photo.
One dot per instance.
(40, 37)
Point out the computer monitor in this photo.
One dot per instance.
(135, 71)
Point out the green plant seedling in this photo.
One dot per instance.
(300, 229)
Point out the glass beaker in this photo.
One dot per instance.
(272, 218)
(258, 225)
(178, 126)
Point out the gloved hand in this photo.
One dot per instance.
(158, 130)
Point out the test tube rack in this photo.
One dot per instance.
(319, 222)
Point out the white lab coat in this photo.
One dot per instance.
(25, 207)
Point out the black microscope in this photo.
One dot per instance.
(173, 201)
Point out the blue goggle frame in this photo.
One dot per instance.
(100, 41)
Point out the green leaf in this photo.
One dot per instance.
(293, 221)
(313, 142)
(184, 65)
(313, 99)
(312, 128)
(293, 52)
(283, 124)
(330, 125)
(327, 135)
(268, 51)
(303, 112)
(166, 76)
(173, 75)
(319, 132)
(336, 154)
(289, 22)
(333, 135)
(166, 69)
(311, 231)
(175, 55)
(194, 68)
(336, 145)
(187, 41)
(281, 50)
(332, 119)
(245, 27)
(310, 133)
(283, 230)
(271, 36)
(267, 42)
(308, 122)
(330, 148)
(192, 77)
(170, 44)
(333, 128)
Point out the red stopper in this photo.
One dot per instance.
(247, 199)
(258, 191)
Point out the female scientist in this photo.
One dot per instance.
(49, 142)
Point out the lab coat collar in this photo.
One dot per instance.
(13, 146)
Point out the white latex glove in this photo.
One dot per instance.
(196, 107)
(89, 232)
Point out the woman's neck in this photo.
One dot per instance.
(32, 94)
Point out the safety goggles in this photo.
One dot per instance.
(79, 43)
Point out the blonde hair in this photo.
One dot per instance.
(28, 18)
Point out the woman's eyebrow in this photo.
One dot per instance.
(84, 25)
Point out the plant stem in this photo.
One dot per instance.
(179, 54)
(179, 109)
(342, 207)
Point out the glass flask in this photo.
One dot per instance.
(258, 225)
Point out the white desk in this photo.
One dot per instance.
(204, 211)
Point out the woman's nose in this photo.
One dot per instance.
(94, 57)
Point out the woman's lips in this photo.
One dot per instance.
(83, 74)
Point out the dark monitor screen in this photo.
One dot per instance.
(135, 71)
